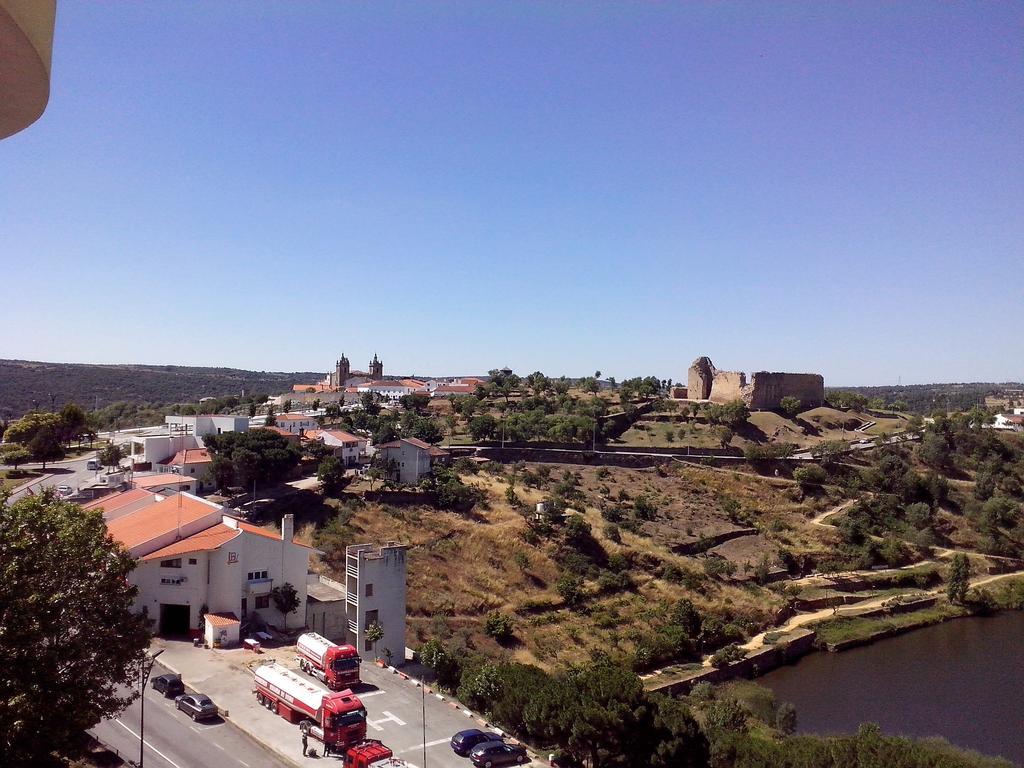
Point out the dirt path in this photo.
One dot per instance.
(826, 613)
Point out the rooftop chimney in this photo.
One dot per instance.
(287, 527)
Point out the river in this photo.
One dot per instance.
(962, 680)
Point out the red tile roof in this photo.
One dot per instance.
(157, 519)
(264, 532)
(163, 479)
(222, 619)
(294, 417)
(188, 456)
(117, 500)
(204, 541)
(414, 441)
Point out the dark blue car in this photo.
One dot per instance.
(464, 741)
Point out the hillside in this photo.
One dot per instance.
(26, 384)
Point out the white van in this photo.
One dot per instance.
(92, 464)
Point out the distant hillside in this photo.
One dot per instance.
(925, 398)
(26, 384)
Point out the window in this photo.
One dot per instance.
(257, 575)
(262, 601)
(175, 563)
(369, 590)
(192, 561)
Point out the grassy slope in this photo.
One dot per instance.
(463, 566)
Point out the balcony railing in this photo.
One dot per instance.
(352, 598)
(352, 627)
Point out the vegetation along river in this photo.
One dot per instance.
(962, 680)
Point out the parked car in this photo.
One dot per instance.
(64, 490)
(464, 741)
(197, 706)
(495, 753)
(169, 685)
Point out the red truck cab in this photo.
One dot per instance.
(371, 754)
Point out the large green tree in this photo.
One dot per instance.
(68, 637)
(260, 455)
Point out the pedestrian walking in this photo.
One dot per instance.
(305, 744)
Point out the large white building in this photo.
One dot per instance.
(195, 559)
(375, 583)
(181, 433)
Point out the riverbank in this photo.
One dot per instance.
(828, 630)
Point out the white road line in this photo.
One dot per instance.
(243, 763)
(421, 746)
(218, 746)
(388, 718)
(152, 748)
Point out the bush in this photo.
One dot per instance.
(499, 626)
(723, 657)
(810, 475)
(570, 588)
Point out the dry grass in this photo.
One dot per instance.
(462, 566)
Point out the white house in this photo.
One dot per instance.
(195, 559)
(191, 463)
(413, 459)
(347, 447)
(296, 423)
(1014, 423)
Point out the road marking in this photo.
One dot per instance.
(388, 718)
(421, 746)
(371, 693)
(218, 746)
(152, 748)
(243, 763)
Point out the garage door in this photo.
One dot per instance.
(173, 619)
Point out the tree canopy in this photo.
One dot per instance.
(260, 455)
(68, 637)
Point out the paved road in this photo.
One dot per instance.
(174, 741)
(71, 473)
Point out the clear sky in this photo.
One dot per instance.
(833, 187)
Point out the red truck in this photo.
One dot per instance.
(333, 664)
(337, 719)
(372, 754)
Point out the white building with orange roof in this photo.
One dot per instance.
(195, 560)
(347, 447)
(296, 423)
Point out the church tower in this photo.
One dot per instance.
(376, 368)
(341, 372)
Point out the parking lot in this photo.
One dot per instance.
(416, 725)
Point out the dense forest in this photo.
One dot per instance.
(25, 385)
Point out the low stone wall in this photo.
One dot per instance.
(708, 542)
(790, 647)
(401, 497)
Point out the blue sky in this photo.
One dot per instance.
(831, 187)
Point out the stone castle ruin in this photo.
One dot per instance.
(764, 392)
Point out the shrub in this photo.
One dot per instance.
(810, 475)
(499, 626)
(723, 657)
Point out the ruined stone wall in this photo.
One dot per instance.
(699, 378)
(768, 389)
(728, 386)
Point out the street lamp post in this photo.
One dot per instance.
(145, 669)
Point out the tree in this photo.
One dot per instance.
(271, 418)
(331, 474)
(446, 666)
(785, 718)
(286, 600)
(110, 455)
(68, 637)
(14, 455)
(731, 415)
(28, 426)
(959, 579)
(72, 422)
(374, 634)
(571, 589)
(45, 446)
(239, 458)
(483, 427)
(790, 406)
(369, 402)
(286, 405)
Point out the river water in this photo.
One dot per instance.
(962, 680)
